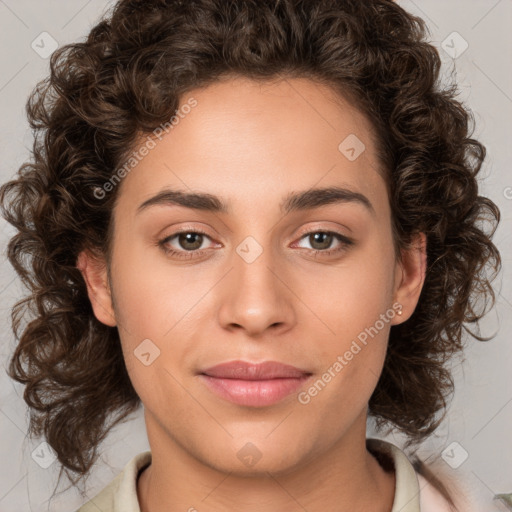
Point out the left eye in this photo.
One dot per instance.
(323, 239)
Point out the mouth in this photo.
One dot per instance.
(254, 385)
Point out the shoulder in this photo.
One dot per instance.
(120, 495)
(431, 499)
(413, 491)
(438, 475)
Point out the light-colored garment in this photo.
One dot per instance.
(413, 493)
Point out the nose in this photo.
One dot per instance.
(256, 297)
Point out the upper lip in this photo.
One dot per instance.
(255, 371)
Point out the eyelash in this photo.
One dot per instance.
(344, 244)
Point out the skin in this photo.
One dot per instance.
(251, 144)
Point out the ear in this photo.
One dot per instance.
(410, 276)
(94, 272)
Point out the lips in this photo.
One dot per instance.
(251, 371)
(254, 385)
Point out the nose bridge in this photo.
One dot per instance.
(255, 278)
(255, 297)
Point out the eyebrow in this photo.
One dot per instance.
(295, 201)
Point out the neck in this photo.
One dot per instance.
(345, 478)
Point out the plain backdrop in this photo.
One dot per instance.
(474, 443)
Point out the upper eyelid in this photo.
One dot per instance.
(309, 231)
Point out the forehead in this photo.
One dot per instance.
(249, 140)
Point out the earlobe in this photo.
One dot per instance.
(94, 272)
(410, 276)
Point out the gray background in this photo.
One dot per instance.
(480, 415)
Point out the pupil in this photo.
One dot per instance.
(321, 237)
(187, 239)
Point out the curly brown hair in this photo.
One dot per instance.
(127, 78)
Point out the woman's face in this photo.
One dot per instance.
(259, 280)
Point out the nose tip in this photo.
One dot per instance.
(255, 322)
(255, 299)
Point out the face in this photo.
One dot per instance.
(256, 275)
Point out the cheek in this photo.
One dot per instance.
(152, 295)
(352, 359)
(352, 296)
(357, 307)
(157, 307)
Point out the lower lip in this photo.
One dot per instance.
(253, 393)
